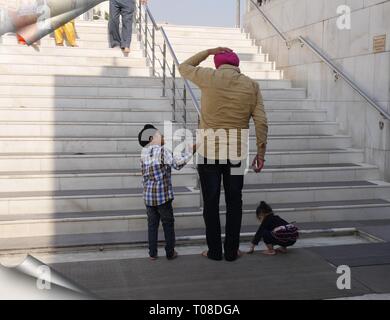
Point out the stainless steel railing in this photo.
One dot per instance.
(337, 71)
(157, 55)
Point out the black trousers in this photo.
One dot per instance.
(164, 213)
(211, 176)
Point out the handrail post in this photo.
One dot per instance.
(146, 33)
(153, 51)
(174, 92)
(139, 20)
(164, 93)
(238, 14)
(185, 104)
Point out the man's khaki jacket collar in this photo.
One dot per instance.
(228, 66)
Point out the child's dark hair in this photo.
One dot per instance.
(146, 135)
(263, 209)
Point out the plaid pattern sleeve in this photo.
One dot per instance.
(156, 165)
(177, 162)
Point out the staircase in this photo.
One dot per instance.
(69, 157)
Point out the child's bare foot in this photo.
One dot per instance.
(269, 252)
(282, 250)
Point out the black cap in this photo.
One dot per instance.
(146, 134)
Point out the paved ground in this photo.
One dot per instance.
(301, 274)
(307, 272)
(304, 273)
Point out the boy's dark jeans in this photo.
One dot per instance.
(210, 177)
(165, 213)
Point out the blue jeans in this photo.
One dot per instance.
(164, 213)
(211, 176)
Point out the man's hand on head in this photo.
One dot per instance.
(219, 50)
(258, 163)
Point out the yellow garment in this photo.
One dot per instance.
(69, 31)
(229, 100)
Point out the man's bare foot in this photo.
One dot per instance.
(269, 252)
(126, 50)
(153, 258)
(282, 250)
(205, 254)
(59, 44)
(240, 254)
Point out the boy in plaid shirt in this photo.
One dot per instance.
(156, 164)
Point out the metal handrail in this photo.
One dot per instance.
(328, 62)
(143, 34)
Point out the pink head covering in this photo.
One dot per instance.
(226, 58)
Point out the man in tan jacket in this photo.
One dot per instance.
(229, 100)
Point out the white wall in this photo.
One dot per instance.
(351, 49)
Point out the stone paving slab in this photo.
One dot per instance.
(298, 275)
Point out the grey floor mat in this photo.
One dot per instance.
(356, 255)
(382, 231)
(376, 278)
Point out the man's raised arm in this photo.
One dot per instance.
(190, 69)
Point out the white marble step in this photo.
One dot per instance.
(130, 145)
(50, 42)
(138, 92)
(207, 29)
(90, 179)
(114, 178)
(111, 71)
(41, 59)
(239, 47)
(92, 81)
(80, 223)
(203, 40)
(131, 129)
(123, 199)
(93, 33)
(64, 113)
(244, 57)
(101, 161)
(68, 51)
